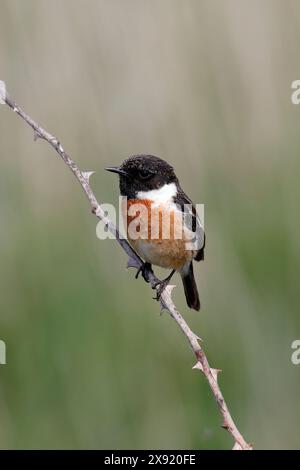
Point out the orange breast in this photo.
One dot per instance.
(150, 222)
(156, 233)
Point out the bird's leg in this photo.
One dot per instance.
(145, 269)
(163, 284)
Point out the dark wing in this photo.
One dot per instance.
(189, 210)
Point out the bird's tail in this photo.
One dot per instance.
(190, 287)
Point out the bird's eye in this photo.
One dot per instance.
(144, 174)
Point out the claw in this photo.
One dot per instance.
(161, 285)
(145, 269)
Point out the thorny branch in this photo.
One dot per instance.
(136, 262)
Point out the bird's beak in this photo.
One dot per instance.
(116, 169)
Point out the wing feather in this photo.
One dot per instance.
(189, 210)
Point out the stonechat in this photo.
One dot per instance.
(161, 221)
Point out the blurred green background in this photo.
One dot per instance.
(205, 85)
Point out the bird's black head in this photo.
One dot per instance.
(143, 173)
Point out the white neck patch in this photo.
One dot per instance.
(163, 195)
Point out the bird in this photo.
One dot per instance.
(150, 184)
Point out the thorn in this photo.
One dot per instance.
(36, 136)
(214, 372)
(225, 426)
(87, 175)
(198, 366)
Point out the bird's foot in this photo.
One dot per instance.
(145, 269)
(161, 285)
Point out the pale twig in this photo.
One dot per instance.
(136, 262)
